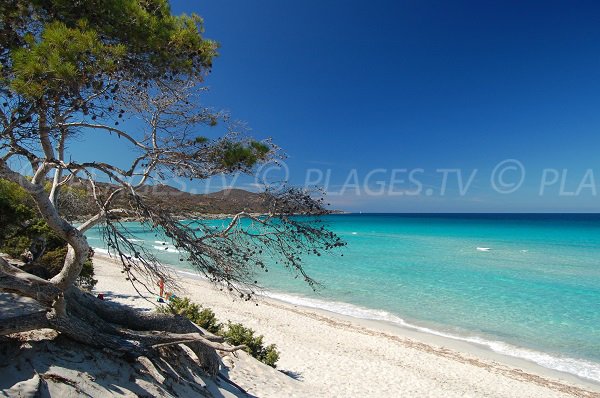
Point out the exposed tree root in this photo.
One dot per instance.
(85, 319)
(24, 323)
(15, 280)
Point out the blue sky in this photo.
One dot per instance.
(370, 85)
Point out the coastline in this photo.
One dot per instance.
(344, 355)
(467, 344)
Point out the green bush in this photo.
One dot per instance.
(53, 260)
(238, 334)
(16, 209)
(21, 224)
(234, 334)
(203, 317)
(270, 355)
(86, 277)
(16, 245)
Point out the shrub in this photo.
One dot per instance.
(86, 277)
(203, 317)
(53, 260)
(21, 224)
(270, 355)
(234, 334)
(16, 245)
(237, 334)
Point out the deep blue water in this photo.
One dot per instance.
(522, 284)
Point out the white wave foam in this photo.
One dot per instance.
(160, 242)
(483, 249)
(166, 249)
(100, 250)
(191, 274)
(578, 367)
(338, 307)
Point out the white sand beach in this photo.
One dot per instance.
(331, 355)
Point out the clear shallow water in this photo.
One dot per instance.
(522, 285)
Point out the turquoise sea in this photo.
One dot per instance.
(526, 285)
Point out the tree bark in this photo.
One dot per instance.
(86, 319)
(14, 280)
(24, 323)
(129, 318)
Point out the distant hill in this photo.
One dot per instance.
(227, 201)
(80, 202)
(179, 203)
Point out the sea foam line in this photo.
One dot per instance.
(579, 367)
(166, 249)
(100, 250)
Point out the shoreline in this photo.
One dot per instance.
(450, 351)
(465, 343)
(462, 343)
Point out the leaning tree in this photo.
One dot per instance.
(129, 73)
